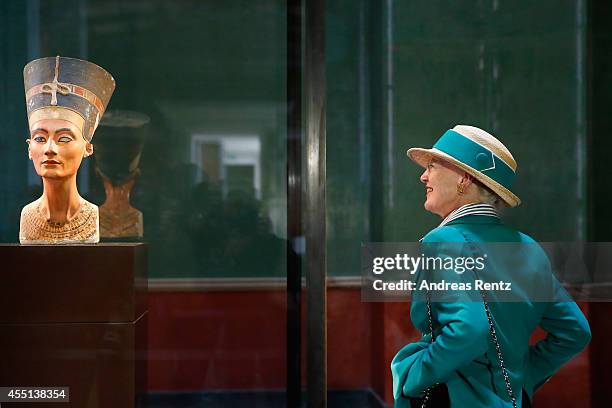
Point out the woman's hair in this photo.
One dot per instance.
(487, 196)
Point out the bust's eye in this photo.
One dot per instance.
(39, 139)
(65, 139)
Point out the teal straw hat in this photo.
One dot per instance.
(479, 154)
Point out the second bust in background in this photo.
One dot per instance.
(118, 149)
(65, 100)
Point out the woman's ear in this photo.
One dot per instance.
(466, 180)
(88, 150)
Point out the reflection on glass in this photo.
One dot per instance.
(233, 161)
(119, 146)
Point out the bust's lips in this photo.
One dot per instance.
(51, 162)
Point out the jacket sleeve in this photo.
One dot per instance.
(462, 333)
(462, 338)
(568, 333)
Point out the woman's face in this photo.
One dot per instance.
(57, 147)
(441, 180)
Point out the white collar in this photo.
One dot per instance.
(487, 210)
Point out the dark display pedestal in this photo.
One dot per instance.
(75, 316)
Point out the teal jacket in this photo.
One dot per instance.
(463, 355)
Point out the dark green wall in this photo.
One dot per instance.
(14, 129)
(349, 30)
(515, 69)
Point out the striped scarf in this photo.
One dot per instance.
(486, 210)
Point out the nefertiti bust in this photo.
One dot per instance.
(65, 98)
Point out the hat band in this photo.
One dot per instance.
(476, 156)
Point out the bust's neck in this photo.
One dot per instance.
(117, 197)
(60, 201)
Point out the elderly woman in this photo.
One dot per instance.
(476, 353)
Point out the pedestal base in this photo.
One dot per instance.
(103, 364)
(75, 316)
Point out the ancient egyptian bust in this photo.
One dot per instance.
(65, 98)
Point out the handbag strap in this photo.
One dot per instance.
(492, 333)
(500, 357)
(428, 390)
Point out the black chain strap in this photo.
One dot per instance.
(493, 334)
(428, 390)
(502, 365)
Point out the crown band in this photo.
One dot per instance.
(70, 89)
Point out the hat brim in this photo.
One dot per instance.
(422, 157)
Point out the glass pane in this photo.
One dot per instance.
(205, 84)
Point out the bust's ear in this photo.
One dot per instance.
(88, 150)
(29, 152)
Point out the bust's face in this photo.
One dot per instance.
(57, 147)
(441, 179)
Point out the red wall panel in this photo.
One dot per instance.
(219, 340)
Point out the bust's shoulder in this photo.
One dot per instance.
(30, 208)
(89, 206)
